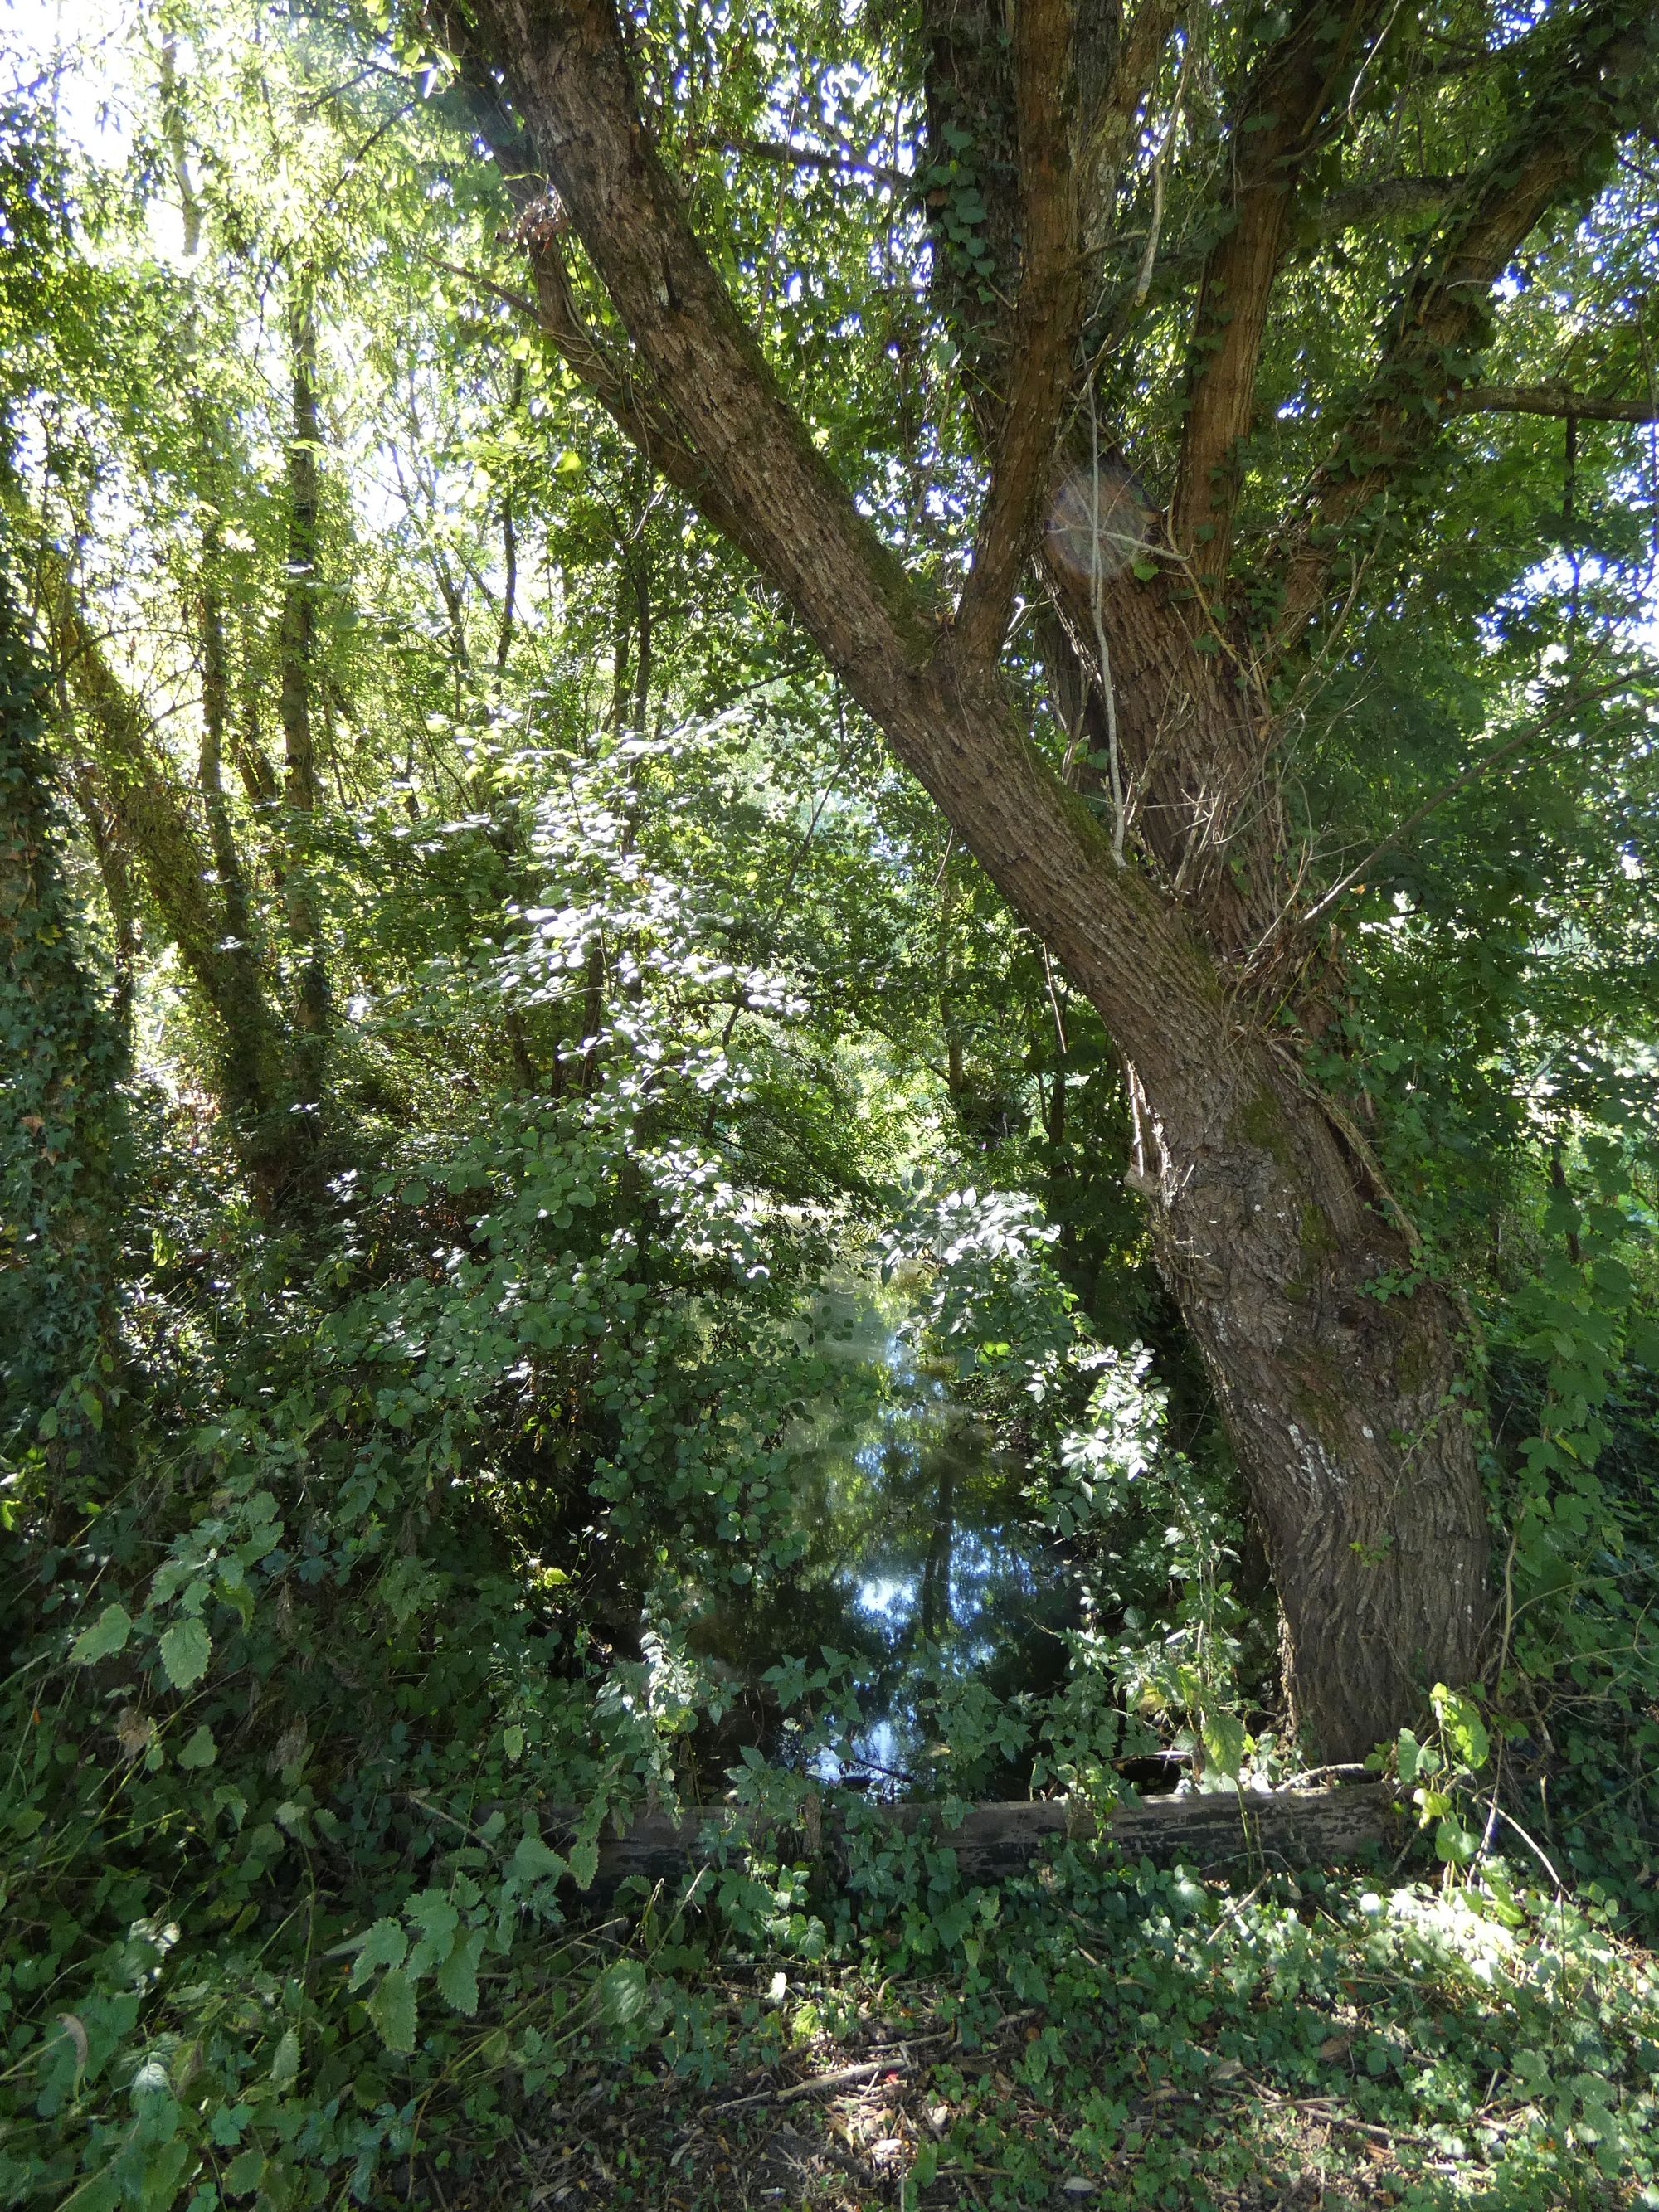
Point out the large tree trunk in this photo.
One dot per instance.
(1346, 1404)
(1338, 1375)
(1339, 1384)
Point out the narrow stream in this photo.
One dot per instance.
(919, 1560)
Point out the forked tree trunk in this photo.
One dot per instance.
(1340, 1386)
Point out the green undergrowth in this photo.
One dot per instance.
(1164, 2040)
(1113, 2032)
(1092, 2030)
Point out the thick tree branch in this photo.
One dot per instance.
(541, 227)
(1044, 327)
(1549, 400)
(1383, 199)
(1596, 68)
(1283, 105)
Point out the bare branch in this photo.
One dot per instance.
(841, 162)
(1111, 127)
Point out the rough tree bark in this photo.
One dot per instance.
(1338, 1368)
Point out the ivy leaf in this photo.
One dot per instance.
(391, 2008)
(185, 1650)
(106, 1636)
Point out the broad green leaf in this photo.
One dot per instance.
(1408, 1752)
(201, 1750)
(620, 1993)
(584, 1861)
(512, 1744)
(185, 1649)
(107, 1635)
(246, 2171)
(285, 2066)
(532, 1860)
(1224, 1741)
(458, 1976)
(1465, 1729)
(386, 1945)
(436, 1916)
(1454, 1843)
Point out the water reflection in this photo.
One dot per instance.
(918, 1559)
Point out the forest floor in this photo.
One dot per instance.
(1132, 2039)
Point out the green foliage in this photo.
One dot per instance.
(372, 1551)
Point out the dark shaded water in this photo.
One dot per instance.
(920, 1563)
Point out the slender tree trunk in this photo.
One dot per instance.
(622, 643)
(639, 578)
(248, 1044)
(116, 877)
(296, 675)
(509, 582)
(61, 1112)
(955, 1075)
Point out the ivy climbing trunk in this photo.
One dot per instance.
(62, 1060)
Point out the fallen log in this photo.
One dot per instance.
(1209, 1833)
